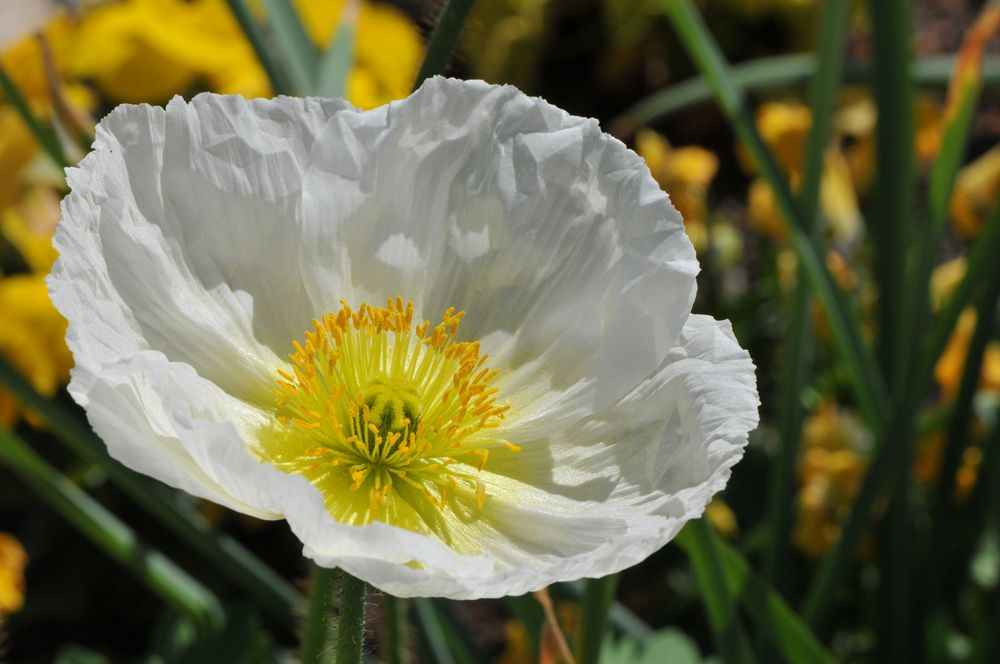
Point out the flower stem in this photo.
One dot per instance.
(315, 641)
(351, 625)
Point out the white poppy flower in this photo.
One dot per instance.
(449, 340)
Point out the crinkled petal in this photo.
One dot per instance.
(179, 237)
(553, 237)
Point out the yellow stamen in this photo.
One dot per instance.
(370, 397)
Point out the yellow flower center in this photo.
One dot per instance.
(391, 421)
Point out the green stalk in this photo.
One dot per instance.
(318, 633)
(831, 29)
(335, 66)
(778, 72)
(869, 389)
(894, 202)
(228, 557)
(396, 629)
(896, 162)
(265, 52)
(697, 541)
(598, 596)
(442, 42)
(46, 138)
(105, 530)
(351, 622)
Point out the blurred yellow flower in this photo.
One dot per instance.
(17, 148)
(140, 50)
(722, 518)
(686, 174)
(855, 121)
(927, 462)
(32, 338)
(831, 467)
(977, 192)
(13, 560)
(28, 225)
(944, 279)
(148, 50)
(784, 127)
(950, 365)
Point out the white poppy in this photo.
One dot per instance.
(449, 340)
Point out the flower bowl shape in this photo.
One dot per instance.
(449, 340)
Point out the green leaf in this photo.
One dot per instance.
(769, 611)
(336, 63)
(177, 641)
(443, 39)
(598, 597)
(105, 530)
(442, 639)
(703, 551)
(622, 619)
(779, 72)
(301, 56)
(396, 628)
(270, 56)
(77, 654)
(667, 645)
(46, 138)
(831, 28)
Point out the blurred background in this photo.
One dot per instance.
(839, 178)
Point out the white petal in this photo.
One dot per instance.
(161, 419)
(179, 236)
(550, 234)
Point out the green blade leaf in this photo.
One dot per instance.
(301, 55)
(831, 28)
(777, 72)
(598, 598)
(445, 644)
(443, 39)
(105, 530)
(270, 57)
(769, 611)
(702, 548)
(46, 138)
(336, 63)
